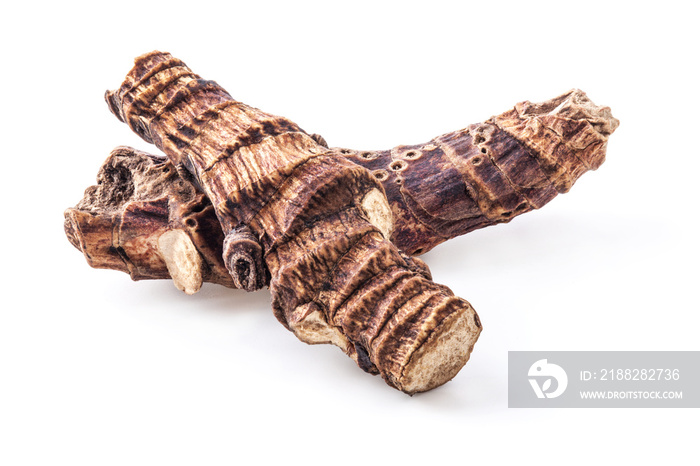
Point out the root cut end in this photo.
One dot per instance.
(443, 354)
(182, 259)
(378, 212)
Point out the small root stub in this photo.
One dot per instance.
(243, 256)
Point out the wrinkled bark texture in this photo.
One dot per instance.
(322, 223)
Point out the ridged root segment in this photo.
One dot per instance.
(144, 219)
(321, 220)
(336, 279)
(568, 133)
(490, 172)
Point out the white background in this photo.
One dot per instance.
(98, 370)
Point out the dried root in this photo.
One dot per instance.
(490, 172)
(321, 221)
(482, 175)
